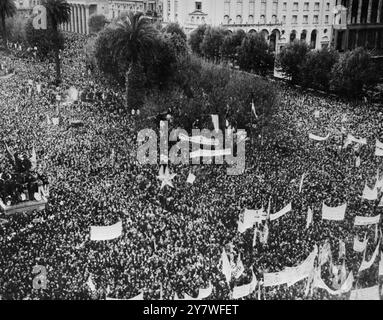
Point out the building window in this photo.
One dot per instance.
(251, 19)
(294, 20)
(252, 7)
(227, 7)
(295, 6)
(275, 7)
(305, 19)
(262, 20)
(327, 6)
(238, 20)
(283, 19)
(315, 20)
(284, 6)
(198, 5)
(226, 19)
(274, 19)
(326, 19)
(316, 6)
(239, 7)
(306, 6)
(263, 6)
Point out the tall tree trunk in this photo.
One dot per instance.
(4, 30)
(127, 77)
(57, 55)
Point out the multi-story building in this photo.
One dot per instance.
(152, 8)
(280, 21)
(83, 9)
(360, 25)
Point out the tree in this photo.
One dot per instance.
(231, 45)
(45, 40)
(16, 29)
(7, 10)
(212, 43)
(58, 12)
(354, 73)
(315, 72)
(96, 23)
(174, 28)
(254, 55)
(291, 58)
(135, 39)
(196, 38)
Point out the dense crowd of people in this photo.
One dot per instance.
(173, 238)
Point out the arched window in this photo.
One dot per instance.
(226, 19)
(274, 19)
(262, 20)
(251, 19)
(238, 20)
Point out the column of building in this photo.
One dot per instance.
(379, 17)
(369, 11)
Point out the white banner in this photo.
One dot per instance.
(369, 194)
(281, 212)
(371, 293)
(98, 233)
(378, 144)
(205, 293)
(226, 266)
(365, 221)
(381, 264)
(215, 120)
(333, 213)
(210, 153)
(351, 138)
(245, 290)
(346, 286)
(199, 140)
(247, 220)
(378, 152)
(367, 264)
(309, 219)
(191, 178)
(318, 138)
(360, 246)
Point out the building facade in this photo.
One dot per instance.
(361, 25)
(82, 10)
(280, 21)
(152, 8)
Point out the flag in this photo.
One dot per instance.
(301, 183)
(318, 138)
(90, 284)
(215, 120)
(265, 234)
(357, 162)
(191, 178)
(324, 253)
(253, 109)
(239, 268)
(226, 267)
(342, 249)
(370, 194)
(316, 113)
(33, 159)
(99, 233)
(367, 264)
(309, 218)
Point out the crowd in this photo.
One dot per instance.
(173, 238)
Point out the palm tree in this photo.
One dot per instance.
(135, 39)
(58, 12)
(7, 10)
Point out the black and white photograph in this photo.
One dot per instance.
(207, 151)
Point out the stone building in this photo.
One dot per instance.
(280, 21)
(360, 25)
